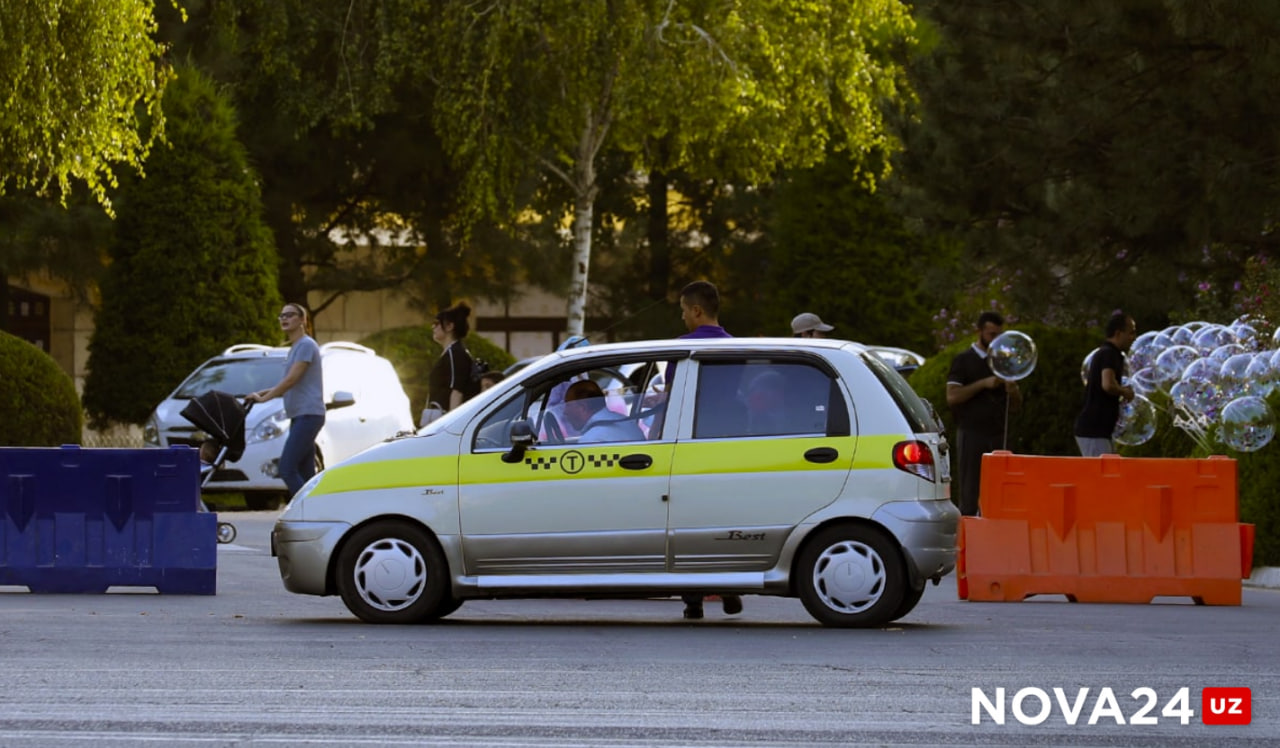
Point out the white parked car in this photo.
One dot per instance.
(365, 400)
(784, 467)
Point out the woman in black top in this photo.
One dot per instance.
(451, 381)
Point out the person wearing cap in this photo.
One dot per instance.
(809, 325)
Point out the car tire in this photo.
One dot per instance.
(909, 601)
(448, 605)
(392, 572)
(852, 576)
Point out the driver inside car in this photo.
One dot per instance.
(585, 411)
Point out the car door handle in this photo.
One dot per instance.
(822, 454)
(636, 462)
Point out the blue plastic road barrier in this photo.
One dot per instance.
(83, 520)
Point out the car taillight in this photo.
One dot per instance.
(915, 457)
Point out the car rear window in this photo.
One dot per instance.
(238, 377)
(916, 411)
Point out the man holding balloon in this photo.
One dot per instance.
(1105, 389)
(980, 401)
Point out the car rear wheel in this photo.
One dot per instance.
(852, 576)
(393, 572)
(909, 602)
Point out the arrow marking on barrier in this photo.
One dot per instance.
(21, 504)
(1063, 518)
(1157, 510)
(119, 500)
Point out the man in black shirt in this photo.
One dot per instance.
(1104, 390)
(979, 401)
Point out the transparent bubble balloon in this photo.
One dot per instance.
(1233, 376)
(1261, 377)
(1247, 424)
(1209, 338)
(1084, 367)
(1137, 422)
(1202, 388)
(1275, 338)
(1144, 381)
(1172, 363)
(1220, 354)
(1143, 351)
(1256, 321)
(1195, 325)
(1247, 337)
(1012, 355)
(1182, 335)
(1202, 368)
(1197, 397)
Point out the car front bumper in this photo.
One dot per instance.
(303, 551)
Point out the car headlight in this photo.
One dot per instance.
(272, 427)
(151, 432)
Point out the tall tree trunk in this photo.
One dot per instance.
(659, 236)
(583, 210)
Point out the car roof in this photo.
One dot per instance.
(682, 345)
(255, 350)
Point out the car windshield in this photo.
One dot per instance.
(238, 377)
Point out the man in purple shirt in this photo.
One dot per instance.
(700, 310)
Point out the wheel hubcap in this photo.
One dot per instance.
(849, 577)
(390, 574)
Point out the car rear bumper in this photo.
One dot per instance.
(303, 551)
(927, 531)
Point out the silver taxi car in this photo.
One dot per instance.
(794, 468)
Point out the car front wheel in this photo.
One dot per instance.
(392, 572)
(852, 576)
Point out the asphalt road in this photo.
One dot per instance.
(255, 665)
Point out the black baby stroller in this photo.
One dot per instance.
(221, 416)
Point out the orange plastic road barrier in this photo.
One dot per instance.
(1105, 529)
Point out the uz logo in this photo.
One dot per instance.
(1226, 706)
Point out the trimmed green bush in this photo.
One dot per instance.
(38, 402)
(1051, 395)
(193, 265)
(413, 352)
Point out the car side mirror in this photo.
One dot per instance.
(341, 399)
(521, 439)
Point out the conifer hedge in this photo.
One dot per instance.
(193, 266)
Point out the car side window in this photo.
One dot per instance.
(763, 398)
(611, 402)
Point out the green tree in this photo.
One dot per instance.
(355, 185)
(1105, 151)
(38, 234)
(835, 248)
(79, 78)
(192, 267)
(549, 86)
